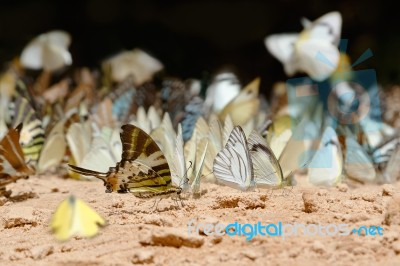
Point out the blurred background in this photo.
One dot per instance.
(196, 38)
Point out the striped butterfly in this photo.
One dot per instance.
(244, 163)
(12, 162)
(143, 169)
(32, 134)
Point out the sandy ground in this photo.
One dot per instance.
(137, 234)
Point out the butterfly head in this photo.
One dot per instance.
(111, 181)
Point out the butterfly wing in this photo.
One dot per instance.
(392, 170)
(54, 148)
(32, 55)
(233, 165)
(178, 165)
(358, 165)
(143, 161)
(199, 166)
(11, 153)
(72, 217)
(267, 171)
(281, 46)
(244, 106)
(328, 27)
(32, 133)
(79, 138)
(326, 165)
(61, 221)
(317, 57)
(100, 156)
(88, 219)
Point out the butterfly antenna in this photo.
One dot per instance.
(185, 179)
(87, 172)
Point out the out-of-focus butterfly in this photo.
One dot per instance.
(224, 87)
(326, 166)
(12, 162)
(123, 98)
(104, 151)
(48, 51)
(358, 164)
(149, 121)
(391, 173)
(244, 163)
(143, 169)
(244, 106)
(32, 133)
(74, 217)
(313, 51)
(137, 63)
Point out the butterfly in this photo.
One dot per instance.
(326, 166)
(358, 164)
(74, 217)
(186, 162)
(313, 51)
(32, 133)
(105, 150)
(12, 162)
(244, 163)
(143, 169)
(136, 62)
(244, 106)
(391, 172)
(48, 51)
(224, 87)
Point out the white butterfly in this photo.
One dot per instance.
(313, 51)
(224, 87)
(392, 169)
(233, 166)
(48, 51)
(326, 166)
(105, 151)
(136, 62)
(358, 164)
(243, 164)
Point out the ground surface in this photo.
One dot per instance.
(136, 234)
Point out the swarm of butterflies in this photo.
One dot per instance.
(155, 136)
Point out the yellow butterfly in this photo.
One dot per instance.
(74, 217)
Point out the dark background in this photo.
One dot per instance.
(196, 38)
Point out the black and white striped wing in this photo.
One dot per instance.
(232, 165)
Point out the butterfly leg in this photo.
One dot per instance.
(157, 204)
(154, 204)
(270, 194)
(286, 192)
(176, 202)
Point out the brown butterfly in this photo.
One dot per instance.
(12, 161)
